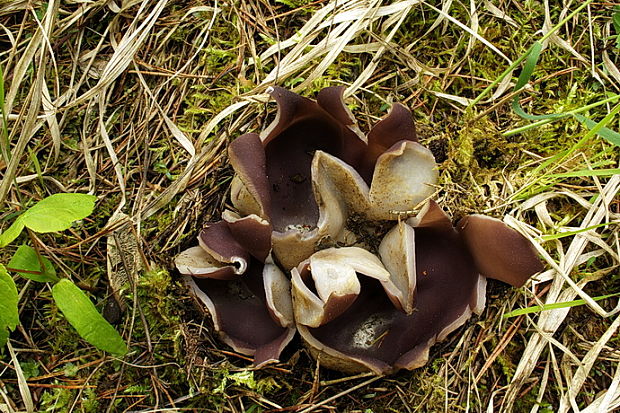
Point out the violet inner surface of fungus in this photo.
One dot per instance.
(291, 260)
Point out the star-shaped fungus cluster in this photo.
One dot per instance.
(296, 255)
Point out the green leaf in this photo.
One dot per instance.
(545, 307)
(9, 315)
(54, 213)
(4, 336)
(11, 233)
(84, 317)
(29, 262)
(57, 212)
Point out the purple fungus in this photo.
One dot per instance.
(286, 260)
(277, 172)
(432, 263)
(232, 276)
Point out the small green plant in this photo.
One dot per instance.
(615, 19)
(52, 214)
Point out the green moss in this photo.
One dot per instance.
(56, 400)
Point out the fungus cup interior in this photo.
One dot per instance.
(241, 315)
(301, 128)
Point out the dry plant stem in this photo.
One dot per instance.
(512, 330)
(503, 342)
(345, 379)
(339, 395)
(60, 373)
(62, 386)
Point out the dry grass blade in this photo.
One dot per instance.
(213, 123)
(339, 395)
(50, 117)
(11, 7)
(584, 368)
(549, 321)
(6, 407)
(35, 96)
(348, 23)
(166, 196)
(472, 32)
(340, 42)
(554, 38)
(124, 51)
(344, 23)
(20, 69)
(608, 62)
(372, 66)
(21, 379)
(499, 13)
(609, 400)
(103, 131)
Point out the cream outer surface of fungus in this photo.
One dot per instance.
(288, 261)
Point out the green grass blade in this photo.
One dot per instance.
(547, 167)
(501, 77)
(585, 108)
(587, 172)
(611, 136)
(528, 68)
(554, 306)
(517, 62)
(530, 64)
(550, 237)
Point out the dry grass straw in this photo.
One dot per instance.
(121, 93)
(563, 289)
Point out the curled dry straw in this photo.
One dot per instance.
(288, 259)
